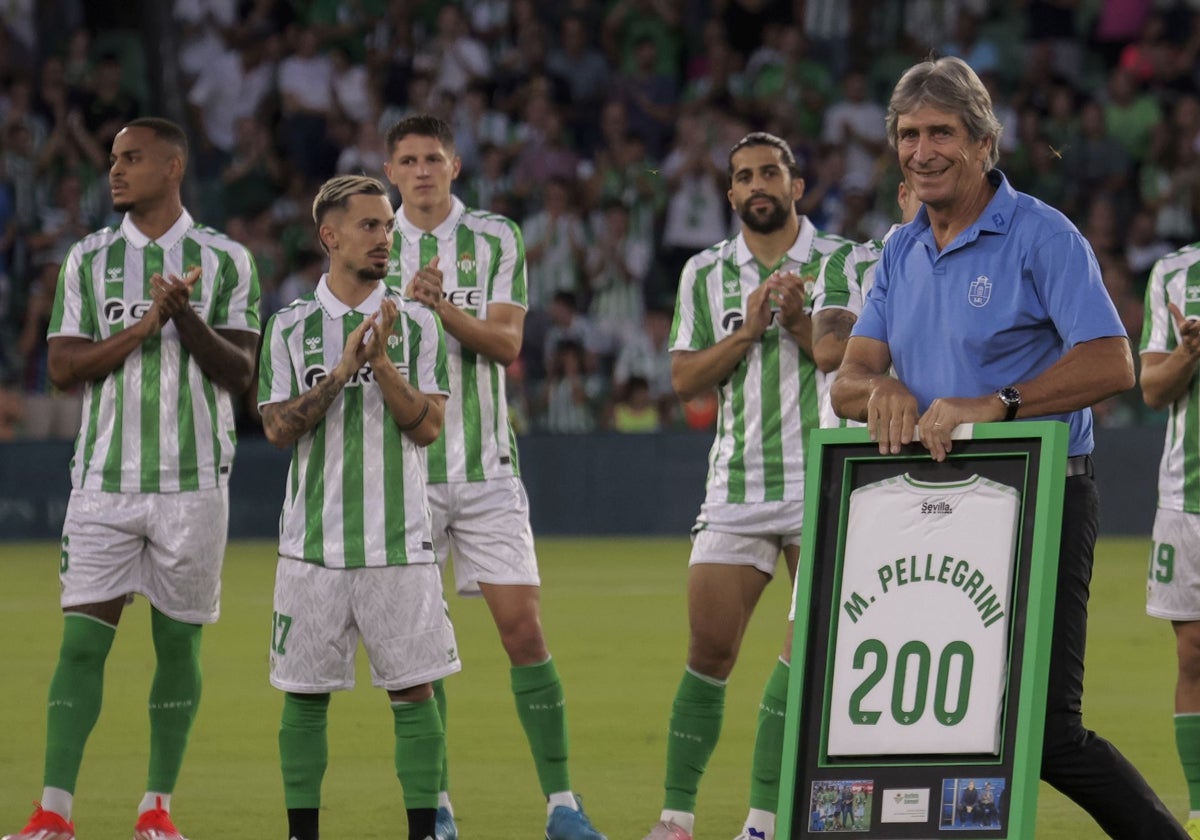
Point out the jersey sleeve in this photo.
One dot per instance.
(833, 286)
(238, 292)
(510, 282)
(276, 376)
(872, 320)
(72, 315)
(1158, 327)
(691, 328)
(429, 371)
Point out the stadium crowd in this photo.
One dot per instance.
(603, 127)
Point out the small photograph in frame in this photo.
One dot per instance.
(840, 805)
(971, 804)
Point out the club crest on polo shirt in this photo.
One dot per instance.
(980, 291)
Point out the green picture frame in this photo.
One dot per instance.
(891, 786)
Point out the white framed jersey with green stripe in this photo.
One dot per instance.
(482, 260)
(356, 485)
(156, 424)
(1176, 279)
(767, 407)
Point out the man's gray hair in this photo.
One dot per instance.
(948, 84)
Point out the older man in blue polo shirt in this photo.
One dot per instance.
(991, 307)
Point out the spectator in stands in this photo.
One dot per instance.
(635, 412)
(255, 174)
(62, 223)
(1130, 114)
(1169, 185)
(1143, 247)
(308, 267)
(617, 264)
(490, 186)
(546, 151)
(106, 106)
(645, 356)
(855, 124)
(478, 124)
(555, 246)
(1061, 123)
(48, 412)
(786, 77)
(628, 174)
(305, 85)
(822, 201)
(1096, 163)
(243, 68)
(697, 211)
(571, 395)
(567, 324)
(1052, 29)
(650, 96)
(352, 99)
(981, 54)
(363, 156)
(453, 57)
(575, 59)
(629, 22)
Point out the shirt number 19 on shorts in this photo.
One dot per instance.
(1162, 563)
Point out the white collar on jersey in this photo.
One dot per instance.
(800, 252)
(334, 308)
(442, 232)
(167, 241)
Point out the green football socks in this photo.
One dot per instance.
(1187, 741)
(543, 714)
(420, 752)
(695, 726)
(439, 697)
(174, 697)
(303, 748)
(768, 741)
(75, 693)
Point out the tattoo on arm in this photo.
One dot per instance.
(837, 323)
(287, 421)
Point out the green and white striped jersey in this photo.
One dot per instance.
(1176, 279)
(845, 277)
(482, 260)
(356, 486)
(769, 404)
(156, 424)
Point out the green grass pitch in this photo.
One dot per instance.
(614, 615)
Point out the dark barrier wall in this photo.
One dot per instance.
(597, 484)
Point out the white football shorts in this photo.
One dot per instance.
(168, 547)
(1173, 581)
(484, 526)
(397, 611)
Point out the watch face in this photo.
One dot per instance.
(1010, 396)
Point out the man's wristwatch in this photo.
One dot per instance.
(1011, 398)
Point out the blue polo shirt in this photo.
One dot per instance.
(1000, 304)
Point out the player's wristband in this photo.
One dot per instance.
(417, 422)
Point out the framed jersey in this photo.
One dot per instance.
(924, 607)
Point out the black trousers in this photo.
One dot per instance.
(1076, 761)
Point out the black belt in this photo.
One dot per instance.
(1080, 465)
